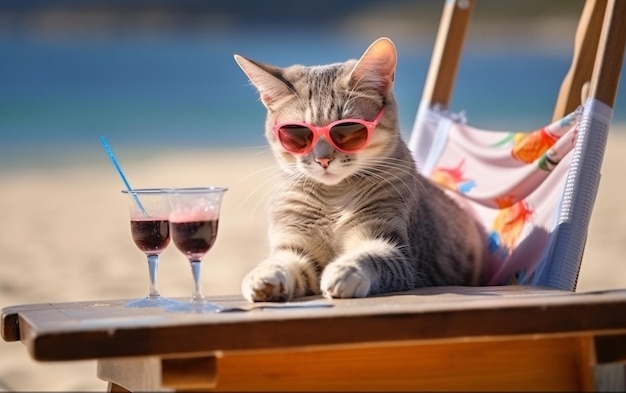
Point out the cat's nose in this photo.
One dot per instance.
(324, 161)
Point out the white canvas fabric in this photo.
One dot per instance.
(520, 186)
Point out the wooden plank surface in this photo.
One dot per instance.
(528, 363)
(519, 364)
(103, 329)
(551, 364)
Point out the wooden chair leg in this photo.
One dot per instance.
(115, 388)
(585, 47)
(197, 373)
(610, 54)
(586, 359)
(446, 56)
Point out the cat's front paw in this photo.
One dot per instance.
(267, 283)
(344, 281)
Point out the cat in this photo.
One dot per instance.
(349, 220)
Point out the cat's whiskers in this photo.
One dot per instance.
(267, 150)
(298, 178)
(300, 183)
(387, 163)
(374, 175)
(283, 183)
(264, 184)
(261, 149)
(396, 163)
(384, 163)
(287, 179)
(255, 173)
(286, 183)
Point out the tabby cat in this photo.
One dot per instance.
(352, 217)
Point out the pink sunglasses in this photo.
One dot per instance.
(345, 135)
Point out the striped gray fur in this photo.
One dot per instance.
(368, 223)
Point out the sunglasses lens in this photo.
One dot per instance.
(349, 136)
(294, 138)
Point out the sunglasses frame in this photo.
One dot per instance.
(325, 132)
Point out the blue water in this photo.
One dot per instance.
(185, 89)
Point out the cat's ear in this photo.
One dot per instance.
(377, 66)
(268, 80)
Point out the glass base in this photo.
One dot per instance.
(152, 301)
(195, 306)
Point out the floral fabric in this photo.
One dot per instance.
(511, 182)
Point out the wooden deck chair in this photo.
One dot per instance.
(533, 191)
(538, 213)
(522, 337)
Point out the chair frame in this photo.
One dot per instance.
(598, 31)
(591, 80)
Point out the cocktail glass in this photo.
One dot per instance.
(149, 227)
(194, 217)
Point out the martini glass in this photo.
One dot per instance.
(194, 217)
(149, 227)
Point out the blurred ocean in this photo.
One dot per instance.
(59, 94)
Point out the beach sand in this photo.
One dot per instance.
(66, 238)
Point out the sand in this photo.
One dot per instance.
(65, 237)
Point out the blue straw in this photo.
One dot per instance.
(121, 173)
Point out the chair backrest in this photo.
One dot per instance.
(533, 192)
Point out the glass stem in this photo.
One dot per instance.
(153, 268)
(196, 268)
